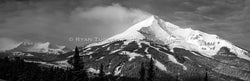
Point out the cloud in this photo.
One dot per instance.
(116, 18)
(57, 21)
(6, 44)
(58, 26)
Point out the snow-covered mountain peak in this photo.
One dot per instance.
(152, 24)
(26, 43)
(166, 33)
(132, 32)
(40, 47)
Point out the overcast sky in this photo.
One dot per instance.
(57, 21)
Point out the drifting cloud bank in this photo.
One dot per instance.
(58, 26)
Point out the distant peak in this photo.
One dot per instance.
(27, 43)
(40, 47)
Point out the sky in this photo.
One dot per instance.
(80, 22)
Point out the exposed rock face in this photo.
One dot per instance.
(174, 50)
(123, 58)
(224, 51)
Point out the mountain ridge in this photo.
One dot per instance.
(174, 50)
(39, 47)
(168, 33)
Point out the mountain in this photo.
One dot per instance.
(175, 51)
(39, 47)
(38, 52)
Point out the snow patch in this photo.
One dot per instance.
(63, 63)
(138, 43)
(146, 50)
(86, 49)
(110, 65)
(131, 55)
(127, 42)
(92, 70)
(108, 73)
(160, 65)
(149, 56)
(173, 59)
(197, 54)
(187, 57)
(99, 58)
(88, 53)
(30, 55)
(59, 64)
(115, 51)
(18, 53)
(118, 70)
(108, 48)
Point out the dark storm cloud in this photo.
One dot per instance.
(57, 20)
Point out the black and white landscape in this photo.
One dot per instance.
(126, 40)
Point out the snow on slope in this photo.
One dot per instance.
(160, 65)
(130, 34)
(9, 47)
(131, 55)
(118, 70)
(157, 63)
(59, 64)
(173, 59)
(93, 70)
(63, 63)
(176, 37)
(39, 47)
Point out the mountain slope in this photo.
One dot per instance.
(174, 50)
(157, 30)
(39, 47)
(42, 53)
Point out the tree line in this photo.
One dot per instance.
(15, 69)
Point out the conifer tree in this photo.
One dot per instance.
(206, 76)
(142, 72)
(84, 73)
(76, 59)
(177, 77)
(151, 73)
(6, 59)
(101, 74)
